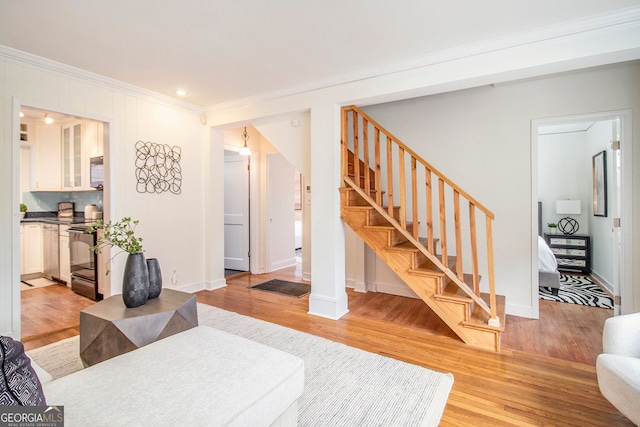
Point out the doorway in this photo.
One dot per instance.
(236, 214)
(588, 134)
(281, 214)
(271, 199)
(57, 149)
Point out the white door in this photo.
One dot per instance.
(281, 227)
(236, 211)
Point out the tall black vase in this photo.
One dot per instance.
(155, 278)
(135, 283)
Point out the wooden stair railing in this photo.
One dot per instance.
(390, 159)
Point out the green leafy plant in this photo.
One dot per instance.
(23, 207)
(120, 234)
(552, 225)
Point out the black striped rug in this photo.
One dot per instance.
(578, 290)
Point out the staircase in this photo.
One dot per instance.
(389, 200)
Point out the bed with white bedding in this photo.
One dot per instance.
(548, 275)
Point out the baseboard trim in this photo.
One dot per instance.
(330, 308)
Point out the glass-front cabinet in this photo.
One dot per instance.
(72, 167)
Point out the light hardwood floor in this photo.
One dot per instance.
(544, 375)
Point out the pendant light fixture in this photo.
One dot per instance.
(245, 151)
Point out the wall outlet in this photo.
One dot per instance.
(174, 276)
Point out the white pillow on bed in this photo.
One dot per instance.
(546, 258)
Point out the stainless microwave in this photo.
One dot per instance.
(96, 172)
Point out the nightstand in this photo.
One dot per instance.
(572, 251)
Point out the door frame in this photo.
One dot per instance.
(626, 158)
(247, 195)
(107, 193)
(254, 243)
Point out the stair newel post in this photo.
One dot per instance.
(414, 198)
(344, 158)
(389, 176)
(456, 218)
(474, 248)
(356, 151)
(378, 171)
(443, 224)
(494, 320)
(403, 193)
(365, 143)
(429, 207)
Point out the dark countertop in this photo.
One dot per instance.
(52, 218)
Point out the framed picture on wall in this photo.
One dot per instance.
(599, 164)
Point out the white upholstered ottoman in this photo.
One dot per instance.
(202, 376)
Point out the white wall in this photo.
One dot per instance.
(564, 172)
(169, 223)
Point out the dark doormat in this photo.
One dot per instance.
(283, 287)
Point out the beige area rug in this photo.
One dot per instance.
(344, 386)
(36, 283)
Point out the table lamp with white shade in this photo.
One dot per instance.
(568, 225)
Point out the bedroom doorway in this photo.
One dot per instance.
(563, 152)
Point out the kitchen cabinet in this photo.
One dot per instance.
(47, 165)
(65, 259)
(81, 140)
(31, 248)
(26, 168)
(72, 160)
(92, 135)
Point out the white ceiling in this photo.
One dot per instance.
(223, 50)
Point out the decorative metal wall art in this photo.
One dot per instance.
(158, 168)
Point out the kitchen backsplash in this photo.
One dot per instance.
(48, 201)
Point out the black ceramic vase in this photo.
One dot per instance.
(155, 278)
(135, 283)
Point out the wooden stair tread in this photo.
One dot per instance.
(480, 319)
(388, 226)
(404, 247)
(428, 266)
(453, 292)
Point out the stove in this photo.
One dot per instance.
(84, 280)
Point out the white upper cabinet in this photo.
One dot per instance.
(72, 158)
(56, 157)
(81, 140)
(92, 138)
(47, 165)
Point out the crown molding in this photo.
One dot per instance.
(618, 19)
(25, 58)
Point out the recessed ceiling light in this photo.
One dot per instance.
(181, 92)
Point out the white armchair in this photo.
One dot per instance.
(618, 368)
